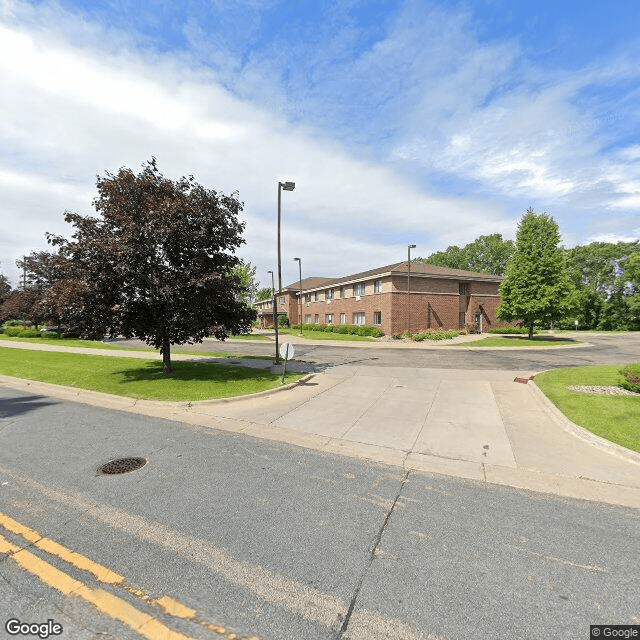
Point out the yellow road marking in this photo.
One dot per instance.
(112, 605)
(101, 573)
(175, 608)
(69, 586)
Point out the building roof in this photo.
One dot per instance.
(418, 268)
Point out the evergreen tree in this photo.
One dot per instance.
(536, 288)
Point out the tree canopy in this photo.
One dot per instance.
(536, 287)
(158, 264)
(266, 293)
(486, 254)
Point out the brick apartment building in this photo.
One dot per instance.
(438, 298)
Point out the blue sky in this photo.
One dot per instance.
(426, 123)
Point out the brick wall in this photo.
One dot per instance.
(435, 304)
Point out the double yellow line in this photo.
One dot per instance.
(112, 605)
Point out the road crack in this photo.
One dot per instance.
(372, 554)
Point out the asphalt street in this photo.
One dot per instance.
(598, 349)
(267, 540)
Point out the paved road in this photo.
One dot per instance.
(272, 541)
(601, 349)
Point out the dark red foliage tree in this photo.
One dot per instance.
(156, 264)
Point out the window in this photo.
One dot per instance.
(328, 294)
(307, 297)
(377, 317)
(343, 318)
(358, 318)
(317, 319)
(328, 319)
(358, 289)
(377, 286)
(462, 288)
(343, 292)
(282, 300)
(315, 296)
(308, 319)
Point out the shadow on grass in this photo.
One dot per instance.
(193, 371)
(539, 338)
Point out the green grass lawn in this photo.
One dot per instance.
(326, 335)
(518, 341)
(616, 418)
(191, 381)
(95, 344)
(249, 336)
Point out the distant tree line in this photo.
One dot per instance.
(602, 290)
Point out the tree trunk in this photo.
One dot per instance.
(531, 331)
(166, 356)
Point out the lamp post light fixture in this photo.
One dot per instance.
(300, 301)
(409, 247)
(275, 315)
(287, 186)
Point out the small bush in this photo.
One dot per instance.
(328, 328)
(13, 331)
(55, 335)
(430, 334)
(13, 323)
(631, 377)
(283, 321)
(517, 330)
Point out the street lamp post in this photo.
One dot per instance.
(287, 186)
(300, 298)
(275, 315)
(409, 247)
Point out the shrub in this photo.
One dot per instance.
(13, 323)
(631, 377)
(30, 333)
(518, 330)
(283, 321)
(431, 334)
(328, 328)
(13, 331)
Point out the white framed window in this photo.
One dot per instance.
(283, 300)
(343, 318)
(343, 292)
(328, 294)
(377, 317)
(377, 286)
(358, 289)
(317, 319)
(307, 297)
(358, 318)
(315, 296)
(308, 319)
(328, 319)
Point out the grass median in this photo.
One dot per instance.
(191, 381)
(96, 344)
(519, 341)
(614, 417)
(326, 335)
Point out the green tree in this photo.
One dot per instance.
(486, 254)
(536, 287)
(246, 273)
(266, 293)
(156, 265)
(5, 287)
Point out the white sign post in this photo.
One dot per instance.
(286, 353)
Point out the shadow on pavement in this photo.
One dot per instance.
(10, 407)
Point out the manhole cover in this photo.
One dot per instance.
(122, 465)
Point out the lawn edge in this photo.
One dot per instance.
(581, 432)
(74, 394)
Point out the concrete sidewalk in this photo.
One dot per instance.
(479, 425)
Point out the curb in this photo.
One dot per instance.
(125, 401)
(582, 433)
